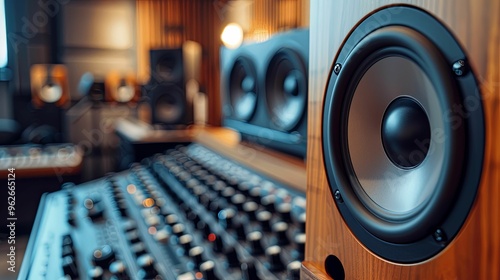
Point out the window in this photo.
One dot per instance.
(3, 36)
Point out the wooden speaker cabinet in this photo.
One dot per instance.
(403, 155)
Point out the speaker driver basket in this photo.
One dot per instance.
(403, 168)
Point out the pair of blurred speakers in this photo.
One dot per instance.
(403, 169)
(264, 91)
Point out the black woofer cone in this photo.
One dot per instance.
(286, 89)
(169, 68)
(168, 105)
(243, 89)
(402, 167)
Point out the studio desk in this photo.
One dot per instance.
(207, 207)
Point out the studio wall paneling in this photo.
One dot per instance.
(97, 37)
(473, 252)
(167, 24)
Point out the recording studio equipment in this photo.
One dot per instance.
(50, 164)
(49, 85)
(186, 214)
(402, 173)
(170, 104)
(121, 88)
(49, 98)
(264, 91)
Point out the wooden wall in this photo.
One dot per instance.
(168, 23)
(475, 252)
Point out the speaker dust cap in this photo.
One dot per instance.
(243, 89)
(399, 164)
(286, 89)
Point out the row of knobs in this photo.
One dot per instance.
(244, 201)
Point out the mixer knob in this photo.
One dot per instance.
(103, 256)
(196, 253)
(300, 241)
(193, 217)
(67, 240)
(250, 208)
(219, 187)
(95, 273)
(226, 218)
(280, 228)
(232, 257)
(273, 254)
(255, 240)
(186, 241)
(133, 236)
(285, 209)
(301, 219)
(249, 272)
(238, 200)
(264, 218)
(217, 205)
(208, 270)
(171, 219)
(244, 187)
(138, 249)
(293, 270)
(178, 229)
(255, 193)
(146, 263)
(217, 242)
(118, 269)
(239, 227)
(69, 267)
(162, 236)
(227, 193)
(72, 218)
(268, 202)
(67, 250)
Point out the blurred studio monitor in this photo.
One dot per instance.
(171, 104)
(43, 117)
(49, 85)
(121, 89)
(264, 91)
(403, 170)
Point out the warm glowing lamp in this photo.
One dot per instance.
(232, 35)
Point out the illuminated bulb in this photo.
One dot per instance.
(232, 36)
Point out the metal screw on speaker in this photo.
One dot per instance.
(337, 68)
(460, 68)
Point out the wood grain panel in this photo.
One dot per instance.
(475, 252)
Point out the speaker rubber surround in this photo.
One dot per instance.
(402, 234)
(286, 89)
(243, 89)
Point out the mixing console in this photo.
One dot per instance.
(186, 214)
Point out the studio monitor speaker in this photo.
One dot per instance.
(264, 91)
(403, 162)
(50, 97)
(170, 105)
(121, 89)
